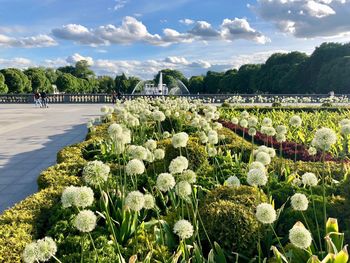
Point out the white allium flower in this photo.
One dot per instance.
(46, 248)
(281, 129)
(270, 131)
(165, 182)
(95, 173)
(179, 140)
(135, 167)
(263, 129)
(324, 139)
(85, 221)
(309, 179)
(183, 229)
(257, 177)
(115, 129)
(312, 151)
(345, 130)
(212, 151)
(217, 126)
(166, 134)
(149, 157)
(280, 137)
(265, 213)
(213, 137)
(297, 182)
(295, 121)
(299, 236)
(234, 120)
(203, 137)
(271, 152)
(159, 154)
(158, 116)
(252, 131)
(189, 176)
(267, 122)
(232, 181)
(68, 196)
(138, 152)
(83, 197)
(183, 189)
(252, 121)
(135, 200)
(151, 145)
(256, 165)
(244, 114)
(344, 122)
(243, 123)
(178, 165)
(30, 253)
(104, 109)
(299, 202)
(149, 201)
(263, 157)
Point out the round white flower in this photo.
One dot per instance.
(265, 213)
(151, 144)
(149, 201)
(281, 129)
(344, 122)
(345, 130)
(68, 196)
(183, 189)
(263, 157)
(257, 177)
(267, 122)
(299, 236)
(30, 253)
(85, 221)
(243, 123)
(212, 151)
(309, 179)
(95, 172)
(159, 154)
(165, 182)
(46, 248)
(188, 176)
(256, 165)
(138, 152)
(135, 200)
(178, 165)
(252, 131)
(280, 137)
(104, 109)
(114, 129)
(244, 114)
(183, 229)
(324, 139)
(166, 134)
(270, 131)
(179, 140)
(83, 197)
(271, 152)
(158, 116)
(252, 121)
(234, 120)
(213, 137)
(232, 181)
(299, 202)
(295, 121)
(312, 151)
(135, 167)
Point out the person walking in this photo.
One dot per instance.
(44, 99)
(114, 97)
(37, 99)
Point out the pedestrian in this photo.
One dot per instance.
(37, 99)
(119, 95)
(114, 97)
(44, 99)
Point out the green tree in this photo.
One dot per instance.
(82, 70)
(228, 83)
(38, 79)
(16, 81)
(3, 87)
(170, 76)
(246, 78)
(196, 84)
(67, 83)
(51, 75)
(121, 83)
(211, 82)
(105, 84)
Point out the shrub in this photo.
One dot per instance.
(70, 154)
(276, 104)
(228, 216)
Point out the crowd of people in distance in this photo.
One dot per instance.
(40, 99)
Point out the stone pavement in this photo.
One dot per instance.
(29, 141)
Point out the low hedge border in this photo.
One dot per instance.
(286, 108)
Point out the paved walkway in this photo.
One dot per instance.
(29, 141)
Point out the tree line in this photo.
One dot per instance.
(326, 69)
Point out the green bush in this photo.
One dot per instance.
(228, 216)
(70, 154)
(276, 104)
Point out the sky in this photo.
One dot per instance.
(141, 37)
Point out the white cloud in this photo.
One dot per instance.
(306, 18)
(119, 4)
(19, 62)
(77, 57)
(27, 42)
(186, 21)
(132, 30)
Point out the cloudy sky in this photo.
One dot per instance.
(140, 37)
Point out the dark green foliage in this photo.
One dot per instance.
(228, 216)
(16, 81)
(38, 80)
(3, 87)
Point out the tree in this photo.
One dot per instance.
(3, 87)
(16, 81)
(170, 76)
(38, 79)
(51, 75)
(82, 70)
(228, 83)
(132, 81)
(121, 83)
(211, 82)
(246, 78)
(105, 84)
(67, 83)
(196, 84)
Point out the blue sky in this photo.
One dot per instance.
(140, 37)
